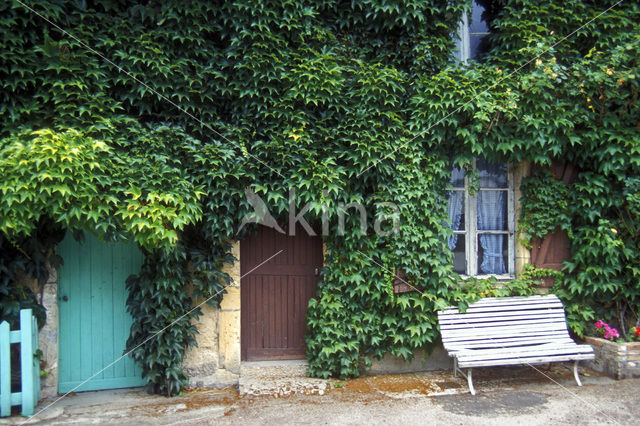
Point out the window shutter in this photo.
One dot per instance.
(400, 283)
(553, 249)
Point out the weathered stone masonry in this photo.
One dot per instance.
(617, 360)
(216, 359)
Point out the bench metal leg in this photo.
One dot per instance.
(466, 374)
(470, 381)
(576, 375)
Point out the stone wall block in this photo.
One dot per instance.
(230, 340)
(216, 360)
(614, 359)
(48, 341)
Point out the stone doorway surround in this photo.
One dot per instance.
(48, 336)
(215, 362)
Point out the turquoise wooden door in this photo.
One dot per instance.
(93, 321)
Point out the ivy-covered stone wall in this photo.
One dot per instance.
(148, 120)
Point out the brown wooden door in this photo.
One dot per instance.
(275, 295)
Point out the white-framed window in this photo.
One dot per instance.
(472, 31)
(482, 217)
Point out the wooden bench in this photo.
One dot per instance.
(498, 331)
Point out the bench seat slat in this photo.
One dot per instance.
(556, 336)
(524, 351)
(501, 313)
(449, 336)
(551, 336)
(500, 343)
(504, 331)
(529, 361)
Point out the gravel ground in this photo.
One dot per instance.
(533, 404)
(505, 396)
(552, 406)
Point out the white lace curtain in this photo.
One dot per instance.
(491, 209)
(491, 215)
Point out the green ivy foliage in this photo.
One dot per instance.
(161, 307)
(299, 94)
(199, 100)
(79, 183)
(545, 207)
(594, 82)
(29, 257)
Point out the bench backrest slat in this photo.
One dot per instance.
(482, 317)
(506, 308)
(505, 331)
(512, 300)
(505, 322)
(476, 322)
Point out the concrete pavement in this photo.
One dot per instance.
(514, 395)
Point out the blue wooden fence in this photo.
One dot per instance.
(27, 337)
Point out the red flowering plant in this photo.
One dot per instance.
(607, 332)
(604, 330)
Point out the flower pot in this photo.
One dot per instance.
(617, 360)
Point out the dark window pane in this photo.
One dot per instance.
(478, 46)
(493, 251)
(492, 175)
(492, 210)
(459, 259)
(478, 42)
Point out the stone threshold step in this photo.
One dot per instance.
(278, 378)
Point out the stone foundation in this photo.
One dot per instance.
(422, 361)
(617, 360)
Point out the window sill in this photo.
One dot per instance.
(503, 277)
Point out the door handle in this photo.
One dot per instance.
(316, 272)
(65, 298)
